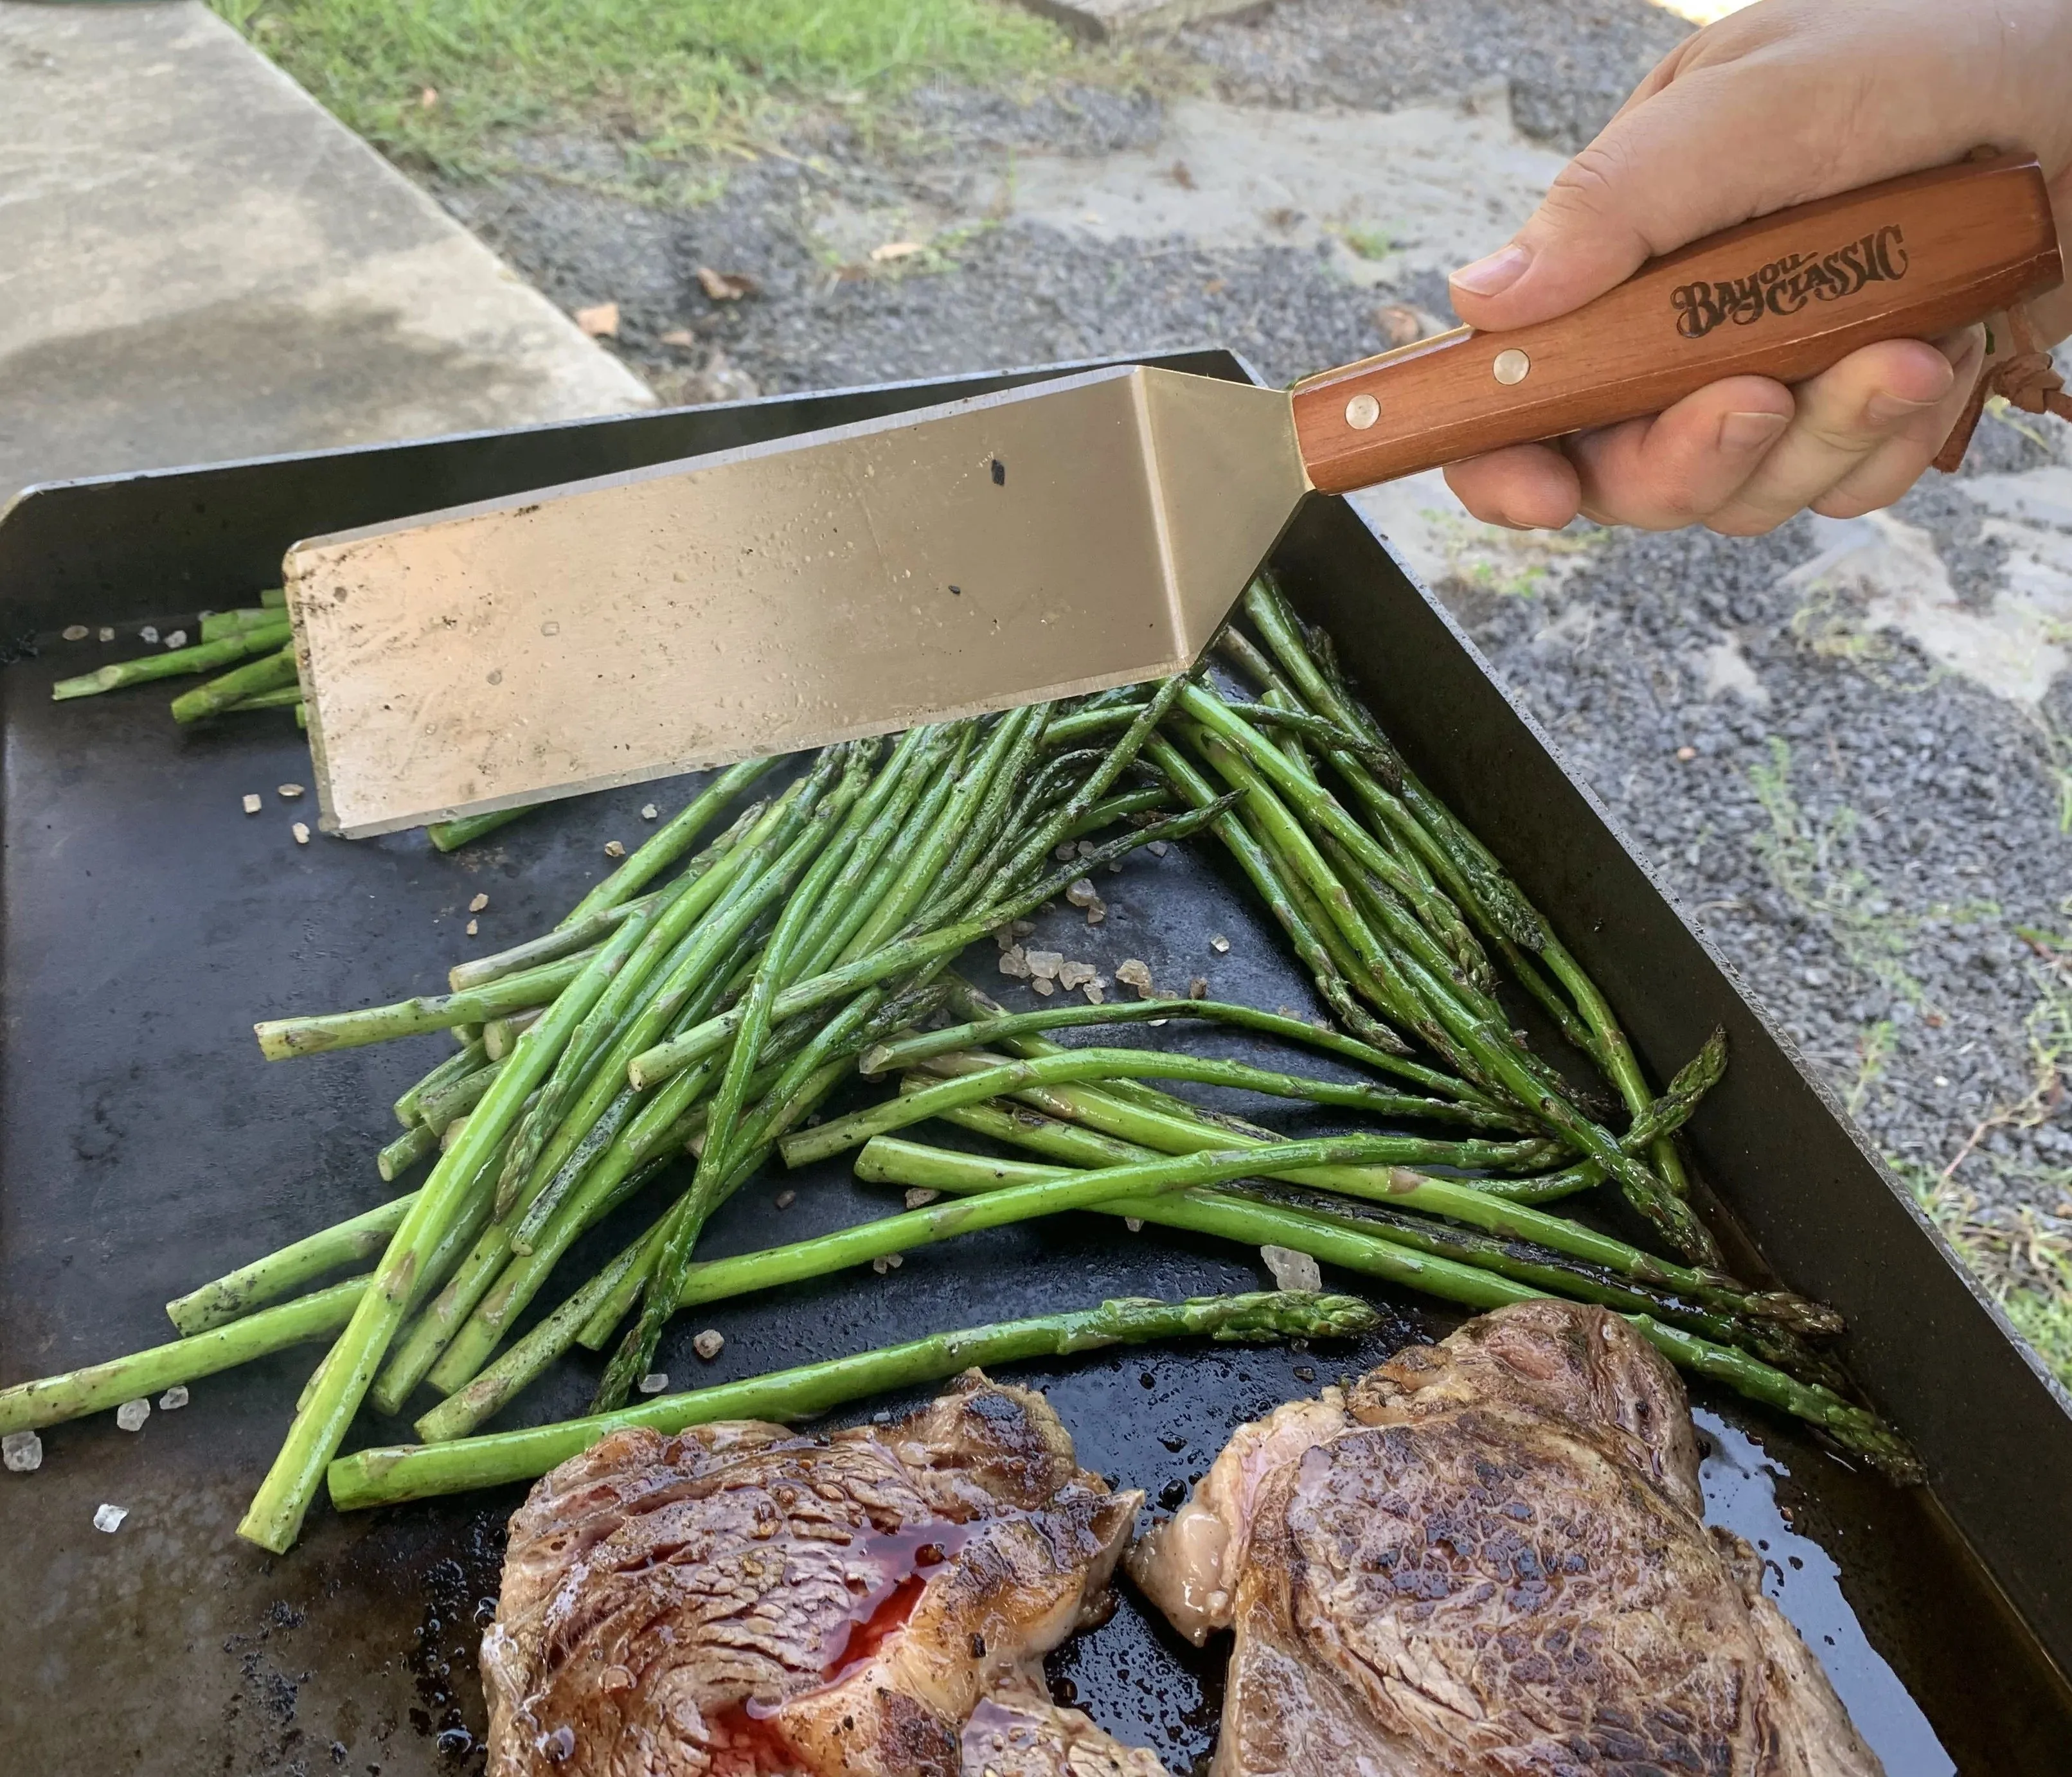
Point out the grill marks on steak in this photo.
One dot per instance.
(741, 1599)
(1488, 1557)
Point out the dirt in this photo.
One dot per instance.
(1872, 816)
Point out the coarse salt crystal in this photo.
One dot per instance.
(174, 1398)
(654, 1382)
(1044, 985)
(178, 639)
(288, 792)
(148, 633)
(1044, 964)
(1014, 964)
(301, 832)
(1134, 1224)
(131, 1415)
(1066, 853)
(1220, 945)
(1081, 893)
(107, 634)
(613, 848)
(710, 1343)
(1097, 913)
(22, 1451)
(1023, 927)
(76, 632)
(1085, 848)
(252, 804)
(110, 1518)
(478, 904)
(1072, 976)
(1292, 1270)
(921, 1196)
(472, 925)
(1133, 972)
(1197, 988)
(1096, 994)
(1158, 848)
(649, 811)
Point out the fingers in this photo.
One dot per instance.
(1862, 434)
(1743, 455)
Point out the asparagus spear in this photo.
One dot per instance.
(463, 1061)
(669, 842)
(27, 1406)
(217, 695)
(173, 662)
(405, 1151)
(280, 1038)
(287, 698)
(218, 624)
(237, 1293)
(465, 829)
(382, 1477)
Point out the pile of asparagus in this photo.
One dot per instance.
(260, 637)
(709, 1001)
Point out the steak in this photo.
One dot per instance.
(741, 1599)
(1017, 1731)
(1488, 1557)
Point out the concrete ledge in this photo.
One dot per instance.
(201, 262)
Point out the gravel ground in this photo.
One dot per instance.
(1867, 838)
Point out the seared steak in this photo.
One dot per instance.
(1488, 1557)
(743, 1599)
(1017, 1731)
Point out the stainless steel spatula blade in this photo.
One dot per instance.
(1059, 538)
(1055, 539)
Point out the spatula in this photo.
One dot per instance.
(1055, 539)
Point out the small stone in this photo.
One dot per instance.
(1014, 964)
(478, 904)
(710, 1343)
(649, 811)
(1220, 945)
(174, 1398)
(785, 1198)
(76, 632)
(613, 848)
(1158, 848)
(252, 804)
(1292, 1270)
(287, 792)
(1065, 853)
(472, 925)
(110, 1518)
(106, 633)
(301, 830)
(1080, 892)
(1197, 988)
(1072, 976)
(921, 1196)
(1134, 972)
(1044, 965)
(178, 639)
(21, 1452)
(654, 1382)
(1044, 987)
(131, 1415)
(148, 633)
(1096, 994)
(1134, 1224)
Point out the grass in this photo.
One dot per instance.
(448, 84)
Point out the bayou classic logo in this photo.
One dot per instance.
(1786, 286)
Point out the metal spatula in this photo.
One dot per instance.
(1059, 538)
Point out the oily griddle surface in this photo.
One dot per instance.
(145, 1147)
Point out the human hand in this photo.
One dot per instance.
(1787, 101)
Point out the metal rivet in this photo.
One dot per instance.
(1511, 365)
(1362, 411)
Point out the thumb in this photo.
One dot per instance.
(1744, 119)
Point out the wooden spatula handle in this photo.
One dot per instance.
(1786, 297)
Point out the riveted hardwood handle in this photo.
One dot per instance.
(1784, 296)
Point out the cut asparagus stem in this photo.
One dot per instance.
(663, 847)
(888, 1057)
(29, 1405)
(448, 1103)
(280, 1039)
(275, 1517)
(456, 1066)
(382, 1477)
(451, 835)
(405, 1151)
(549, 947)
(173, 662)
(1254, 1224)
(1093, 1064)
(266, 674)
(500, 1036)
(237, 1293)
(288, 696)
(900, 958)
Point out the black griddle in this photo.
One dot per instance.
(144, 1146)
